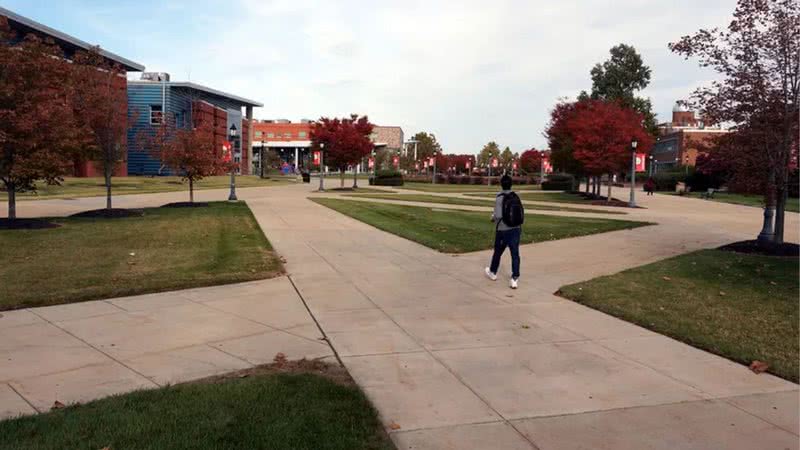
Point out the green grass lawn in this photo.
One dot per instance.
(428, 187)
(543, 196)
(94, 186)
(423, 198)
(792, 204)
(302, 411)
(455, 231)
(743, 307)
(172, 248)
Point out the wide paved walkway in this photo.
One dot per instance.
(450, 359)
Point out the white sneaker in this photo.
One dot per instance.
(514, 283)
(492, 276)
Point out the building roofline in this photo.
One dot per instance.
(131, 66)
(190, 85)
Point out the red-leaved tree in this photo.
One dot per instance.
(101, 106)
(758, 58)
(530, 162)
(188, 152)
(38, 132)
(601, 135)
(345, 142)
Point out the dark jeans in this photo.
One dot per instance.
(510, 239)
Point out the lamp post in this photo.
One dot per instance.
(232, 134)
(321, 167)
(632, 202)
(651, 166)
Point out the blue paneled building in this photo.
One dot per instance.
(155, 97)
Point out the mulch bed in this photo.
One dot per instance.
(767, 249)
(26, 224)
(113, 213)
(186, 205)
(330, 370)
(601, 201)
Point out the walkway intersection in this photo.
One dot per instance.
(450, 359)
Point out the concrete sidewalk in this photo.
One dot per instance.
(449, 358)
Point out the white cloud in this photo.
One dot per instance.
(469, 71)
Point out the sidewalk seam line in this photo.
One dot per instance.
(319, 327)
(103, 353)
(22, 397)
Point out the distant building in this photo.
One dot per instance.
(23, 26)
(155, 96)
(679, 141)
(292, 140)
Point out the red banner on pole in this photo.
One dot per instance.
(548, 168)
(226, 151)
(468, 164)
(640, 162)
(371, 163)
(416, 166)
(495, 162)
(396, 161)
(514, 165)
(316, 157)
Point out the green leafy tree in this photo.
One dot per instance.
(489, 151)
(619, 79)
(427, 146)
(507, 158)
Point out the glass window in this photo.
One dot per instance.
(156, 115)
(301, 134)
(270, 135)
(287, 135)
(258, 133)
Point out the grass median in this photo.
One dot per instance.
(247, 410)
(457, 231)
(740, 306)
(463, 201)
(95, 186)
(165, 249)
(551, 197)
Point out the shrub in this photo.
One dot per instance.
(386, 178)
(666, 181)
(559, 182)
(476, 179)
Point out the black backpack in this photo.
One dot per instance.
(513, 212)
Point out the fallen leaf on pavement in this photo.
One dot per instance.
(722, 293)
(773, 283)
(58, 405)
(394, 426)
(759, 366)
(666, 278)
(526, 326)
(280, 358)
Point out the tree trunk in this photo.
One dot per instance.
(588, 180)
(12, 202)
(341, 177)
(767, 233)
(355, 176)
(108, 190)
(191, 190)
(608, 198)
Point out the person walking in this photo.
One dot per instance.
(508, 217)
(650, 186)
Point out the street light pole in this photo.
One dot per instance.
(632, 202)
(233, 133)
(651, 166)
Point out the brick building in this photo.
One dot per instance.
(23, 26)
(679, 141)
(292, 141)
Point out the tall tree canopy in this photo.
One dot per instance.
(530, 162)
(560, 140)
(507, 158)
(620, 78)
(427, 146)
(758, 59)
(489, 151)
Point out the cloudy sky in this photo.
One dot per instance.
(469, 72)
